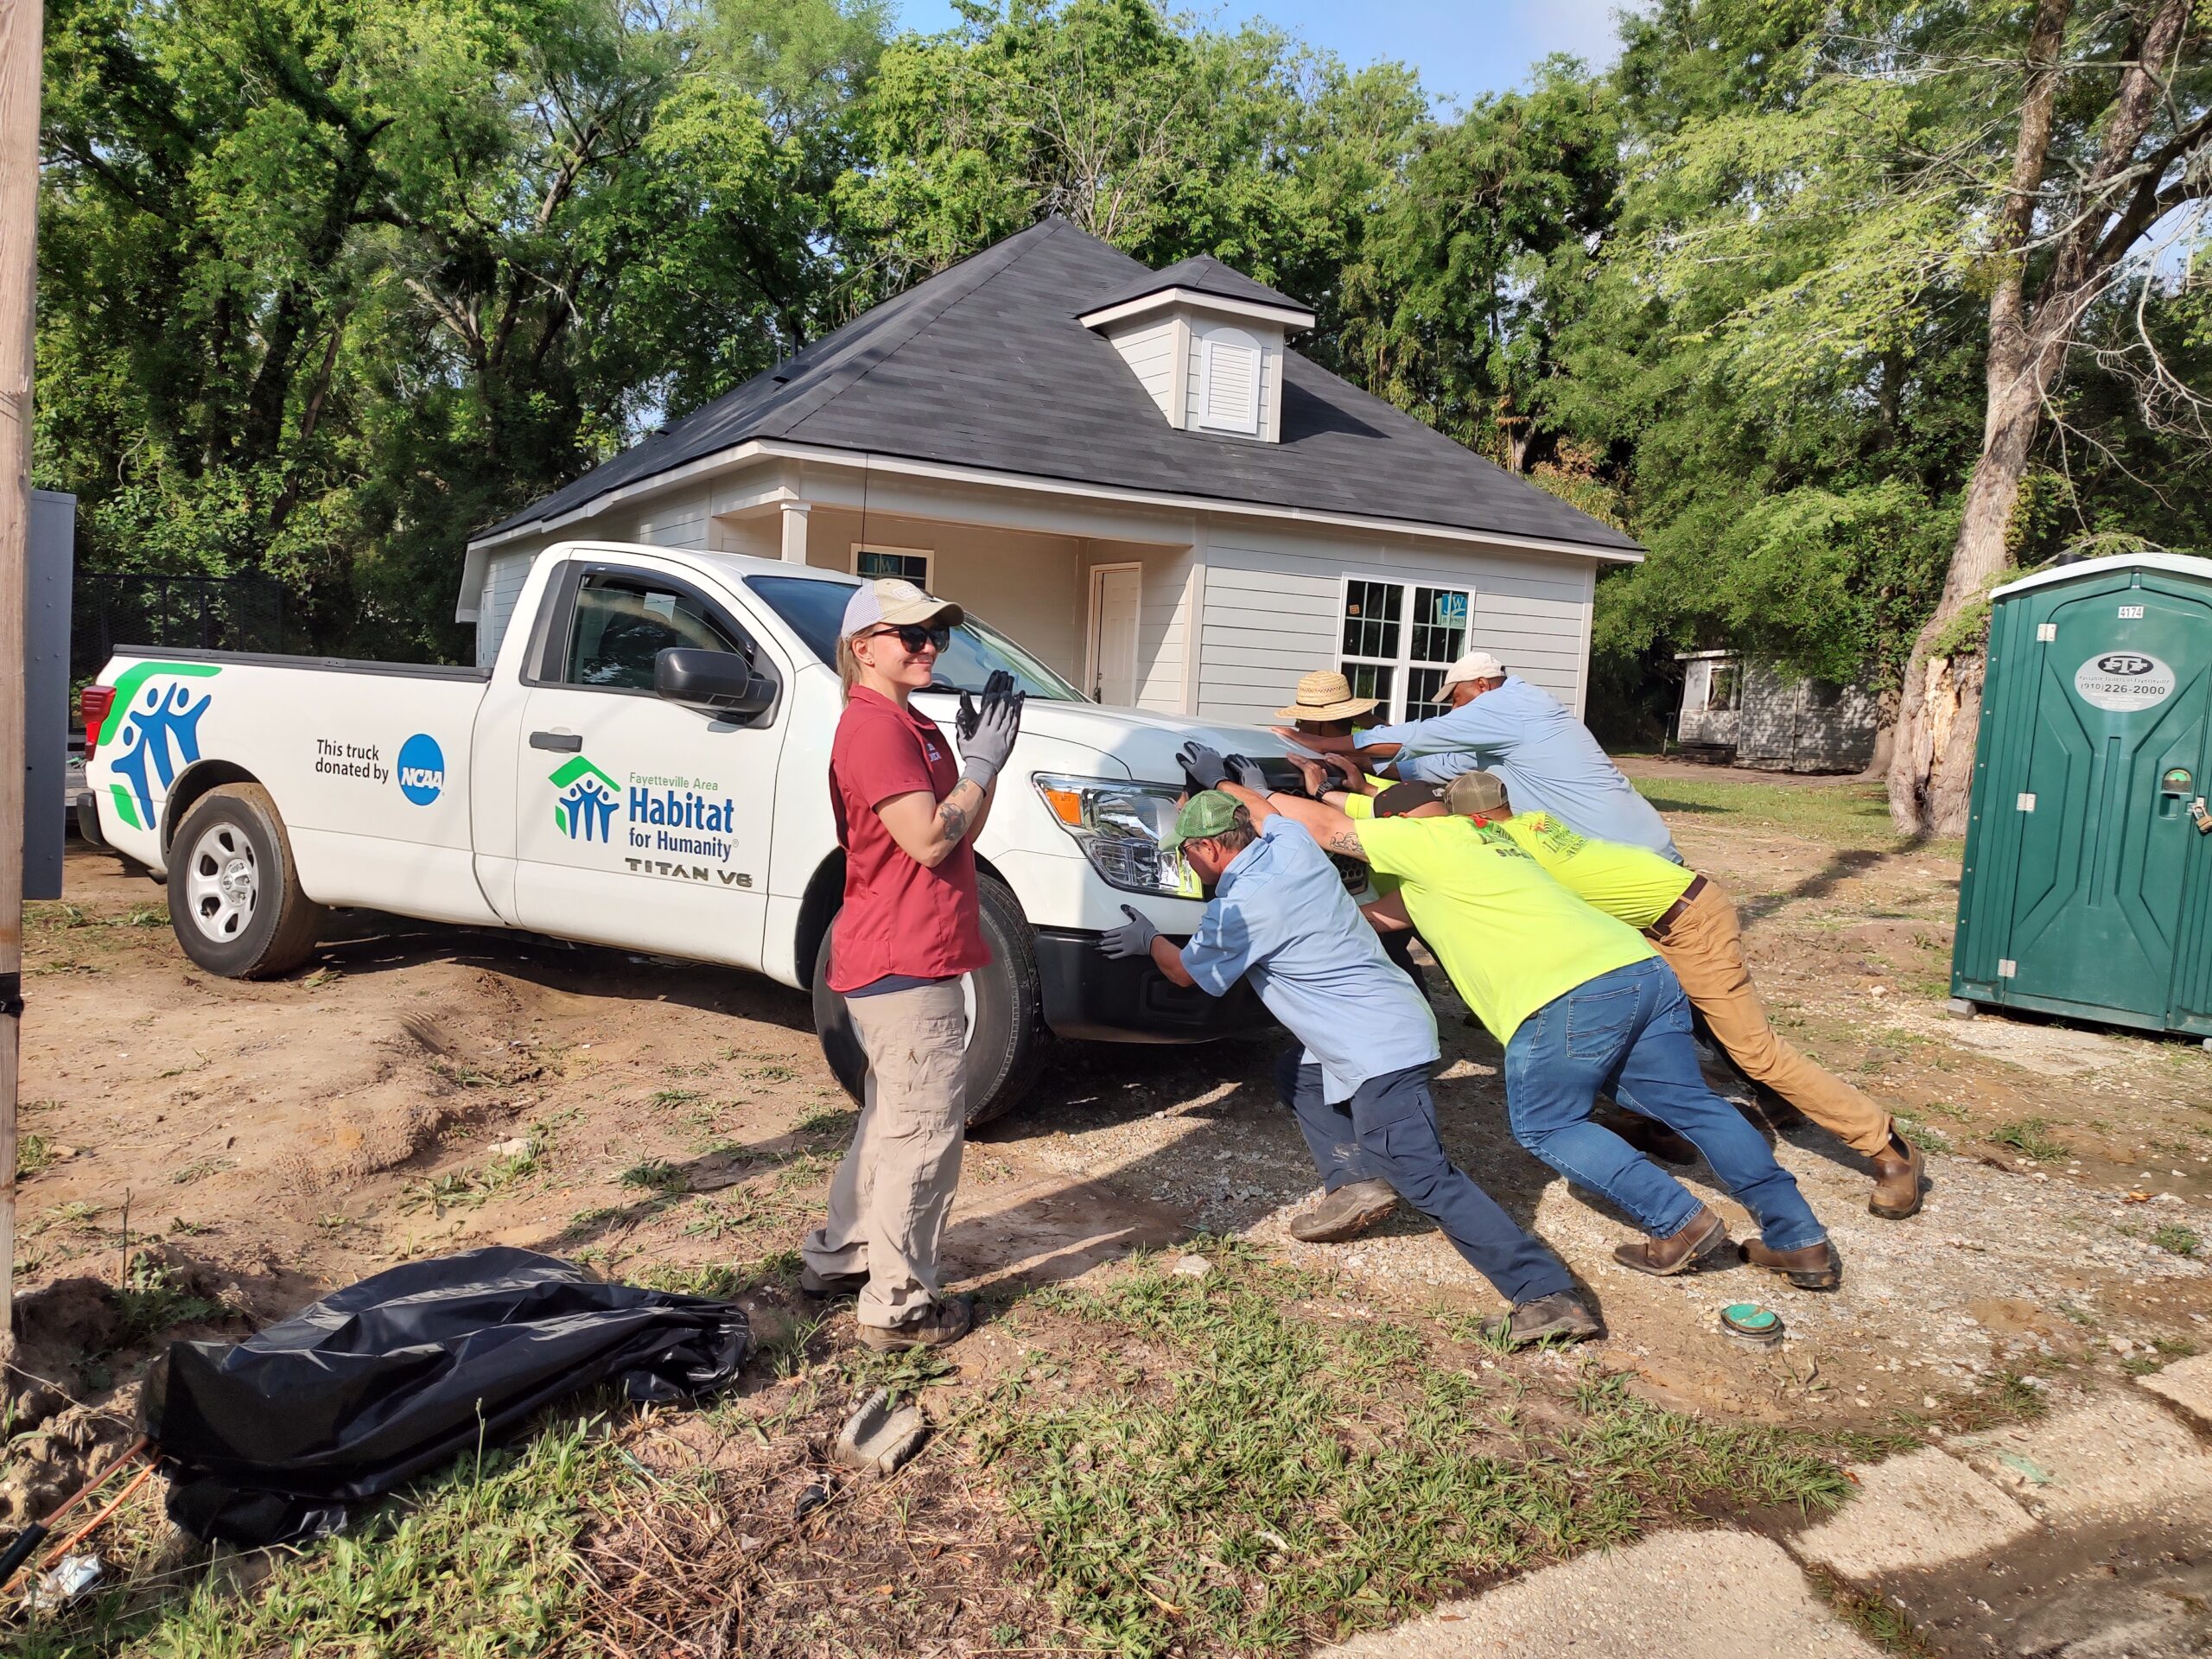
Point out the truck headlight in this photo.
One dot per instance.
(1120, 827)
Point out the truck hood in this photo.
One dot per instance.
(1134, 743)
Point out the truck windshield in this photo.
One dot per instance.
(814, 608)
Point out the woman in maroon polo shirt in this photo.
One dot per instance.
(909, 930)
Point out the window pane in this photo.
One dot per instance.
(1425, 694)
(623, 623)
(1370, 681)
(1440, 632)
(908, 567)
(1371, 619)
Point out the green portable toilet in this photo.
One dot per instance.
(2087, 885)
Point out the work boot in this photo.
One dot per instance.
(1697, 1242)
(1345, 1213)
(831, 1286)
(1561, 1315)
(949, 1319)
(1816, 1267)
(1897, 1180)
(1650, 1137)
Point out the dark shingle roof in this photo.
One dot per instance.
(1204, 274)
(985, 365)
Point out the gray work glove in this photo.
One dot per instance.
(1246, 774)
(1203, 766)
(986, 733)
(1133, 938)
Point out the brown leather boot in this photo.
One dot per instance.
(1897, 1180)
(1816, 1267)
(1702, 1239)
(1345, 1213)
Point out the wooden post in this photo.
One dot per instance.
(21, 50)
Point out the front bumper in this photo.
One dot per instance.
(1093, 998)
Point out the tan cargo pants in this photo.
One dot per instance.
(888, 1199)
(1703, 944)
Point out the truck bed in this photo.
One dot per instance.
(321, 665)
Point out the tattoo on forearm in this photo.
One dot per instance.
(1345, 841)
(954, 811)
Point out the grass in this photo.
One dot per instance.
(33, 1152)
(2026, 1134)
(1849, 817)
(1921, 1135)
(1282, 1482)
(483, 1560)
(655, 1175)
(2179, 1240)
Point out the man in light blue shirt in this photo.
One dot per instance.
(1498, 723)
(1281, 915)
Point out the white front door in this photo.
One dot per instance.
(641, 822)
(1116, 591)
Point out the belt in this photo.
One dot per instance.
(1667, 918)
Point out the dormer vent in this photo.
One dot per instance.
(1206, 343)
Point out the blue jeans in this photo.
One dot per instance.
(1628, 1032)
(1387, 1131)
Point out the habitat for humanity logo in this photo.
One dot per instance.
(585, 811)
(159, 732)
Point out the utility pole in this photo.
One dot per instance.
(22, 52)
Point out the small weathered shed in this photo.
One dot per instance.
(1750, 714)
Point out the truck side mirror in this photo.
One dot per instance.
(718, 683)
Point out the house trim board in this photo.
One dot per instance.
(755, 449)
(1294, 317)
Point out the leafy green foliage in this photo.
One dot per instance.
(327, 287)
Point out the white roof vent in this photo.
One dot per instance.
(1207, 344)
(1229, 363)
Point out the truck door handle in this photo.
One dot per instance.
(558, 742)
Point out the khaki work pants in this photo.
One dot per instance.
(888, 1199)
(1704, 945)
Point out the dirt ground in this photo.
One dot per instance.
(422, 1089)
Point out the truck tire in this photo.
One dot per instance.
(234, 892)
(1006, 1036)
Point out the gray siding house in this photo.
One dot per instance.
(1128, 470)
(1739, 712)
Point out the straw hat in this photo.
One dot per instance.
(1325, 694)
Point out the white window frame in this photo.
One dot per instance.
(1403, 664)
(927, 556)
(1239, 340)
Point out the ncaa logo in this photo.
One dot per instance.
(2125, 662)
(422, 769)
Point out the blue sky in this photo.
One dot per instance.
(1461, 48)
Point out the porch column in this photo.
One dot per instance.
(795, 530)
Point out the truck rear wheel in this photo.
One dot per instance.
(234, 892)
(1005, 1029)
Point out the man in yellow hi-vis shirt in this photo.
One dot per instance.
(1693, 925)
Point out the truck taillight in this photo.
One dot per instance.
(93, 702)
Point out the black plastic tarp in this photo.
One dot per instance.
(276, 1437)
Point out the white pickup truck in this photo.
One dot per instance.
(644, 766)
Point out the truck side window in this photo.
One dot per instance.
(622, 623)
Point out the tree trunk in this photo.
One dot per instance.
(1931, 769)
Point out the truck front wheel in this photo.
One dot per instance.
(1006, 1027)
(234, 892)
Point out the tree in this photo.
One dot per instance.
(2110, 140)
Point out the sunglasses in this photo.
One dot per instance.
(914, 636)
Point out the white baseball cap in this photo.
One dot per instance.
(888, 600)
(1475, 666)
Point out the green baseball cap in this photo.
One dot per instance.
(1206, 813)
